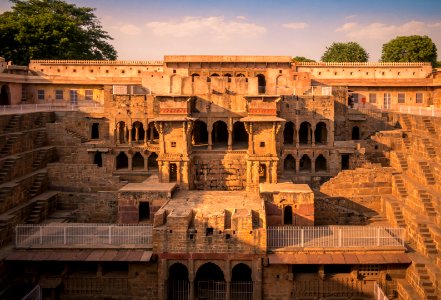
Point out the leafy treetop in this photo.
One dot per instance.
(345, 52)
(414, 48)
(52, 29)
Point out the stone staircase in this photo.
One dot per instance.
(38, 160)
(406, 122)
(396, 210)
(429, 126)
(401, 188)
(426, 199)
(402, 160)
(37, 184)
(38, 122)
(406, 142)
(430, 178)
(12, 124)
(77, 135)
(6, 169)
(40, 139)
(6, 150)
(4, 193)
(38, 212)
(420, 278)
(429, 148)
(428, 243)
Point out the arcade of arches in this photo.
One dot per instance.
(306, 134)
(304, 164)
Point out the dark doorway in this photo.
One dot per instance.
(178, 283)
(98, 159)
(287, 215)
(288, 133)
(241, 283)
(321, 164)
(152, 134)
(220, 134)
(95, 131)
(305, 164)
(200, 134)
(144, 211)
(305, 133)
(122, 161)
(152, 161)
(355, 133)
(261, 83)
(138, 137)
(345, 161)
(173, 173)
(240, 136)
(138, 161)
(262, 173)
(321, 133)
(5, 97)
(289, 164)
(210, 282)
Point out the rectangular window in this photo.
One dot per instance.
(40, 94)
(24, 94)
(355, 97)
(401, 98)
(372, 98)
(73, 96)
(386, 100)
(173, 144)
(89, 95)
(58, 94)
(326, 91)
(419, 97)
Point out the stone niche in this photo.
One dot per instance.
(288, 204)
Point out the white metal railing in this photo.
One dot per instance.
(89, 235)
(334, 237)
(34, 294)
(407, 109)
(26, 108)
(379, 293)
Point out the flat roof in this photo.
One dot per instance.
(227, 58)
(285, 187)
(148, 187)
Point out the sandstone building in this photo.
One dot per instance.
(220, 177)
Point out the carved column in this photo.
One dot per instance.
(145, 133)
(166, 171)
(146, 163)
(210, 137)
(137, 132)
(297, 165)
(313, 129)
(130, 160)
(191, 275)
(267, 175)
(228, 279)
(185, 179)
(274, 172)
(160, 171)
(151, 132)
(296, 134)
(309, 135)
(230, 139)
(125, 134)
(313, 164)
(130, 134)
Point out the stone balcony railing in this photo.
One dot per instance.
(78, 235)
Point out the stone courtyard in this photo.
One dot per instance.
(220, 177)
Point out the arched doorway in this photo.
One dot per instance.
(355, 133)
(321, 164)
(178, 283)
(138, 132)
(152, 134)
(305, 164)
(152, 162)
(240, 136)
(288, 133)
(138, 161)
(210, 282)
(122, 161)
(287, 215)
(305, 133)
(241, 282)
(321, 133)
(173, 173)
(220, 134)
(199, 136)
(98, 159)
(5, 97)
(193, 76)
(122, 132)
(289, 164)
(95, 132)
(261, 83)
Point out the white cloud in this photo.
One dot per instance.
(241, 17)
(129, 29)
(214, 27)
(380, 31)
(350, 17)
(435, 25)
(295, 25)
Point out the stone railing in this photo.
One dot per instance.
(334, 237)
(80, 235)
(362, 64)
(99, 62)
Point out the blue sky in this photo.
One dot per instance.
(147, 29)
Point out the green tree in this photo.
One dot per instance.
(412, 48)
(52, 29)
(302, 59)
(343, 52)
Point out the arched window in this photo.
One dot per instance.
(240, 75)
(210, 282)
(200, 134)
(305, 164)
(289, 164)
(122, 161)
(240, 136)
(321, 133)
(288, 133)
(321, 164)
(355, 133)
(219, 134)
(137, 161)
(305, 133)
(152, 161)
(97, 159)
(138, 132)
(95, 132)
(178, 283)
(214, 75)
(261, 83)
(152, 134)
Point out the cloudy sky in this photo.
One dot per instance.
(149, 29)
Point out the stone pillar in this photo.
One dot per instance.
(296, 134)
(228, 280)
(257, 279)
(178, 172)
(267, 175)
(230, 140)
(116, 134)
(165, 171)
(137, 132)
(151, 133)
(160, 171)
(185, 180)
(309, 135)
(297, 165)
(162, 279)
(313, 129)
(130, 159)
(191, 275)
(146, 163)
(125, 134)
(146, 128)
(274, 172)
(130, 134)
(313, 164)
(249, 174)
(210, 137)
